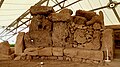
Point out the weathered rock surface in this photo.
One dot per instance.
(5, 48)
(57, 51)
(19, 46)
(42, 10)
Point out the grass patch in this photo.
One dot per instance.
(12, 45)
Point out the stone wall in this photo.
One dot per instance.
(60, 36)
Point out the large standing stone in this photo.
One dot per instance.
(60, 32)
(42, 10)
(28, 41)
(41, 38)
(40, 22)
(5, 48)
(57, 51)
(19, 46)
(108, 42)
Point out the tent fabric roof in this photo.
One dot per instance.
(10, 9)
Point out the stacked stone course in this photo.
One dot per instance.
(60, 36)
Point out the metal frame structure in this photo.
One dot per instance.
(24, 19)
(1, 2)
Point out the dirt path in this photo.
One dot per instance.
(51, 63)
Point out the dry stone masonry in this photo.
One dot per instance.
(60, 36)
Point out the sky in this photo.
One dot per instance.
(12, 9)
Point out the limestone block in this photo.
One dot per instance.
(52, 58)
(19, 46)
(95, 19)
(79, 20)
(41, 38)
(60, 58)
(57, 51)
(39, 22)
(4, 57)
(28, 41)
(90, 54)
(108, 42)
(70, 52)
(42, 10)
(47, 51)
(60, 17)
(60, 32)
(65, 10)
(31, 51)
(5, 48)
(87, 14)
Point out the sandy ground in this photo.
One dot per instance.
(53, 63)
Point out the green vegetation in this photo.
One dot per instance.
(12, 45)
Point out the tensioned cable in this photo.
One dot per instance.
(105, 13)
